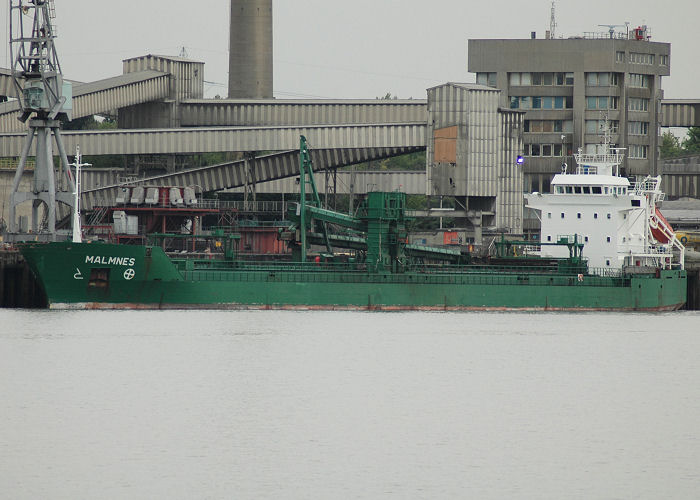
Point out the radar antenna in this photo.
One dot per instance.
(44, 100)
(611, 28)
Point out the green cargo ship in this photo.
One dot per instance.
(96, 275)
(385, 272)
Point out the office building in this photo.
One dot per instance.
(570, 88)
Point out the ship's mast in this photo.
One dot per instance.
(44, 100)
(77, 229)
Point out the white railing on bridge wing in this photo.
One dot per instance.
(608, 158)
(648, 185)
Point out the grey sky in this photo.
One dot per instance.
(355, 48)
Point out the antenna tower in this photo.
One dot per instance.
(44, 99)
(552, 21)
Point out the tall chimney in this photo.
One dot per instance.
(250, 50)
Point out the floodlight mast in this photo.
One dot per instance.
(44, 99)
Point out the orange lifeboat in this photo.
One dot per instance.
(661, 230)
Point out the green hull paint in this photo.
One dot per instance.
(100, 275)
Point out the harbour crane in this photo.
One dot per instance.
(44, 99)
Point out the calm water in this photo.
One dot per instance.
(187, 405)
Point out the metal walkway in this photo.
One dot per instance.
(680, 113)
(101, 189)
(210, 140)
(101, 97)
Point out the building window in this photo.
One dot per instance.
(578, 215)
(595, 215)
(562, 215)
(598, 126)
(638, 128)
(640, 58)
(548, 126)
(488, 79)
(638, 104)
(607, 262)
(663, 60)
(637, 80)
(638, 151)
(549, 215)
(585, 239)
(609, 216)
(620, 56)
(602, 102)
(601, 79)
(549, 150)
(608, 239)
(539, 102)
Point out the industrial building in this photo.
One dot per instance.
(570, 87)
(472, 150)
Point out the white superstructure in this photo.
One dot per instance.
(618, 223)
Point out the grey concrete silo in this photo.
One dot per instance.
(250, 50)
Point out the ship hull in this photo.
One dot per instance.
(104, 276)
